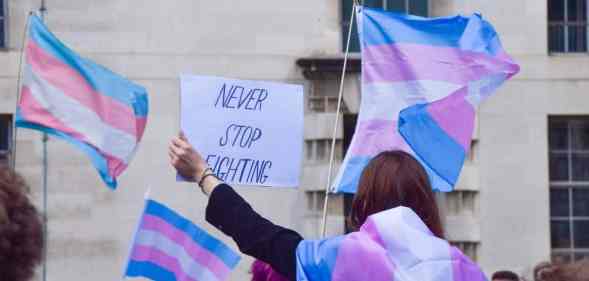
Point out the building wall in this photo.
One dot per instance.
(152, 42)
(502, 204)
(513, 142)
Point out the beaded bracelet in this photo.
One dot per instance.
(203, 177)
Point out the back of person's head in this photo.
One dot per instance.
(21, 235)
(393, 179)
(578, 271)
(504, 275)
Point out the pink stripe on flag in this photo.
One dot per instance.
(463, 269)
(34, 112)
(455, 115)
(358, 247)
(141, 124)
(72, 84)
(374, 136)
(200, 254)
(141, 253)
(407, 62)
(369, 227)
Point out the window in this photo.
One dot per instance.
(469, 248)
(462, 201)
(567, 26)
(2, 24)
(318, 150)
(5, 138)
(414, 7)
(569, 187)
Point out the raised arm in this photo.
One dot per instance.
(231, 214)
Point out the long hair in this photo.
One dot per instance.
(393, 179)
(577, 271)
(21, 235)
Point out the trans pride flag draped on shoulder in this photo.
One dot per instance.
(169, 247)
(65, 95)
(422, 80)
(393, 245)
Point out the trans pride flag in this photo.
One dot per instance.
(391, 245)
(71, 97)
(169, 247)
(422, 80)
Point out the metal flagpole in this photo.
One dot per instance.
(18, 92)
(43, 11)
(337, 117)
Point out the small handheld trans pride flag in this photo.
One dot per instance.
(169, 247)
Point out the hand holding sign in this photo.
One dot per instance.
(185, 159)
(249, 132)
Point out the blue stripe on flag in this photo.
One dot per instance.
(437, 183)
(101, 79)
(149, 270)
(351, 175)
(198, 235)
(96, 158)
(438, 151)
(316, 258)
(465, 33)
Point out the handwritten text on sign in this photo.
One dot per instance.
(249, 132)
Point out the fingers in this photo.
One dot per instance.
(182, 136)
(181, 143)
(174, 160)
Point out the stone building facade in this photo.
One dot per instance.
(522, 197)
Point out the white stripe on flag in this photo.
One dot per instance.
(76, 116)
(405, 235)
(385, 100)
(192, 268)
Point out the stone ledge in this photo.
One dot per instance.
(325, 68)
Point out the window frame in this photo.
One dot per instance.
(346, 5)
(4, 24)
(566, 24)
(7, 154)
(570, 185)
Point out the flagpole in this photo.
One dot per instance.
(45, 138)
(146, 197)
(337, 117)
(18, 92)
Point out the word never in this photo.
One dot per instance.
(236, 97)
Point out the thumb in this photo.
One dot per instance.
(183, 136)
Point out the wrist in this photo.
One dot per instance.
(208, 181)
(209, 184)
(200, 173)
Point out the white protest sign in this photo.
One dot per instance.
(249, 132)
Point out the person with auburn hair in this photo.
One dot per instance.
(504, 275)
(578, 271)
(394, 206)
(21, 233)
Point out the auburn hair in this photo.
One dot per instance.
(392, 179)
(21, 232)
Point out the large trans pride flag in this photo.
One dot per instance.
(65, 95)
(422, 80)
(391, 245)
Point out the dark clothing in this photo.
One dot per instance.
(254, 235)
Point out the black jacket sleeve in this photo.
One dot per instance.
(254, 235)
